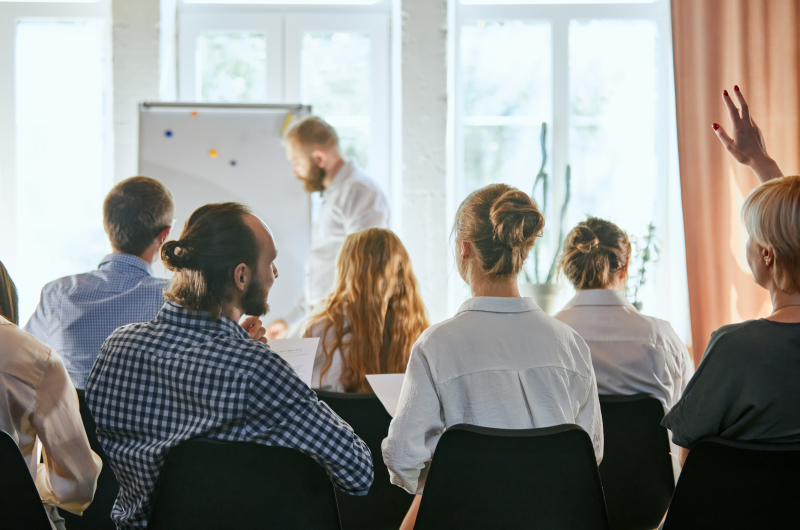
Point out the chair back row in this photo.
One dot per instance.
(480, 477)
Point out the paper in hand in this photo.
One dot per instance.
(387, 387)
(299, 353)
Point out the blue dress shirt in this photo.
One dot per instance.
(183, 375)
(77, 313)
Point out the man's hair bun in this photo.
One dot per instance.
(502, 223)
(175, 256)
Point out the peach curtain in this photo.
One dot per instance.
(719, 43)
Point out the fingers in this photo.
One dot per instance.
(259, 334)
(726, 140)
(733, 112)
(742, 103)
(248, 323)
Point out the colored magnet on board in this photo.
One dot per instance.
(194, 113)
(168, 134)
(233, 162)
(212, 153)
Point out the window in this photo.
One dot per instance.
(599, 78)
(56, 163)
(337, 63)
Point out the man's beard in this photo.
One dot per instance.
(254, 301)
(313, 181)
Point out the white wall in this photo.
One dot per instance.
(423, 132)
(135, 73)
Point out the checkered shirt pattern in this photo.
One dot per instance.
(77, 313)
(181, 376)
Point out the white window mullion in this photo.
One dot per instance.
(560, 126)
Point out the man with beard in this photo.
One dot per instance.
(351, 202)
(193, 371)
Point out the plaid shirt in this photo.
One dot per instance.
(77, 313)
(181, 376)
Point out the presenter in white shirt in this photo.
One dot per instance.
(351, 202)
(631, 353)
(501, 361)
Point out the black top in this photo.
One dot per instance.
(746, 388)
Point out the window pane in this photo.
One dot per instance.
(613, 127)
(231, 67)
(61, 176)
(506, 69)
(336, 79)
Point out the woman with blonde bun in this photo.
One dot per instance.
(631, 353)
(501, 361)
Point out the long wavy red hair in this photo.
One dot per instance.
(375, 309)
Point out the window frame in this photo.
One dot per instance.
(285, 25)
(10, 14)
(671, 284)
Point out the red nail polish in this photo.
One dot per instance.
(736, 87)
(715, 126)
(725, 92)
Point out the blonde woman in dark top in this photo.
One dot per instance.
(746, 387)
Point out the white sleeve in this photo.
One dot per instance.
(684, 366)
(366, 208)
(416, 427)
(591, 420)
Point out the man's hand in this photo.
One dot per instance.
(277, 329)
(252, 325)
(747, 144)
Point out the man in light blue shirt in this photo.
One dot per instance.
(77, 313)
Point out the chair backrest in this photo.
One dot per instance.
(98, 515)
(20, 504)
(737, 485)
(385, 506)
(496, 478)
(636, 471)
(209, 484)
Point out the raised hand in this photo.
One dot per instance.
(746, 145)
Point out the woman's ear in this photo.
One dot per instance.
(624, 271)
(464, 250)
(768, 255)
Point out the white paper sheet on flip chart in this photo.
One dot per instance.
(299, 353)
(387, 387)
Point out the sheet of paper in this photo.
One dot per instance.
(387, 387)
(299, 353)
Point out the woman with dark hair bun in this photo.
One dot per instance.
(631, 353)
(501, 361)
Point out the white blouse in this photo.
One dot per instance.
(332, 381)
(499, 362)
(631, 353)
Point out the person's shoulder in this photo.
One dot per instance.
(737, 340)
(21, 351)
(66, 284)
(361, 183)
(128, 333)
(440, 331)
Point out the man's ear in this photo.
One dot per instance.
(319, 158)
(163, 235)
(241, 276)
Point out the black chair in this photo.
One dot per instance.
(20, 504)
(495, 478)
(636, 471)
(733, 485)
(98, 515)
(385, 506)
(209, 484)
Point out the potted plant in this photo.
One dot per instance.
(543, 287)
(646, 252)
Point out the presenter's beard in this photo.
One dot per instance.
(313, 181)
(254, 301)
